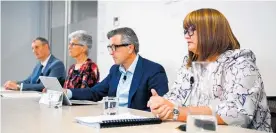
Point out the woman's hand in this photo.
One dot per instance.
(159, 106)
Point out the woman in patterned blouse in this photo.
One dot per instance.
(84, 73)
(242, 94)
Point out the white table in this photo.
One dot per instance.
(26, 115)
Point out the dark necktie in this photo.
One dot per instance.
(35, 79)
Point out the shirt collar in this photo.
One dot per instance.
(44, 63)
(131, 68)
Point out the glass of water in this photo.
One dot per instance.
(202, 96)
(55, 99)
(110, 105)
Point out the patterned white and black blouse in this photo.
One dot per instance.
(241, 93)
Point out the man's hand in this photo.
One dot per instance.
(44, 90)
(12, 85)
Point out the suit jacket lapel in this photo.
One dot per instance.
(138, 73)
(48, 64)
(115, 83)
(35, 75)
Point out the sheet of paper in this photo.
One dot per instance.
(20, 95)
(83, 102)
(4, 90)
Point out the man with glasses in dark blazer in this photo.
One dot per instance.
(130, 79)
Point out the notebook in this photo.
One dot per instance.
(108, 121)
(52, 84)
(129, 122)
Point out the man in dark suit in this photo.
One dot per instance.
(131, 78)
(48, 66)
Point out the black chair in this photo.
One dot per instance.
(272, 107)
(273, 121)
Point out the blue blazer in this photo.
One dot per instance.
(54, 68)
(147, 75)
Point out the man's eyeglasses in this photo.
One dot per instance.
(75, 44)
(113, 47)
(190, 30)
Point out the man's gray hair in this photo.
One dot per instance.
(83, 37)
(128, 36)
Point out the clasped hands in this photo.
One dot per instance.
(160, 107)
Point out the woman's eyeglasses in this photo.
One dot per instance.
(190, 30)
(75, 44)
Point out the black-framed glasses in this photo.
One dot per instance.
(190, 30)
(113, 47)
(75, 44)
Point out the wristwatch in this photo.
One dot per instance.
(175, 113)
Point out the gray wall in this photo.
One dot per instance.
(83, 17)
(57, 28)
(20, 24)
(22, 21)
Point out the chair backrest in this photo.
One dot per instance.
(272, 106)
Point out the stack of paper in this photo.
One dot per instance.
(20, 95)
(4, 90)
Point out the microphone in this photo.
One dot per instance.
(192, 80)
(125, 77)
